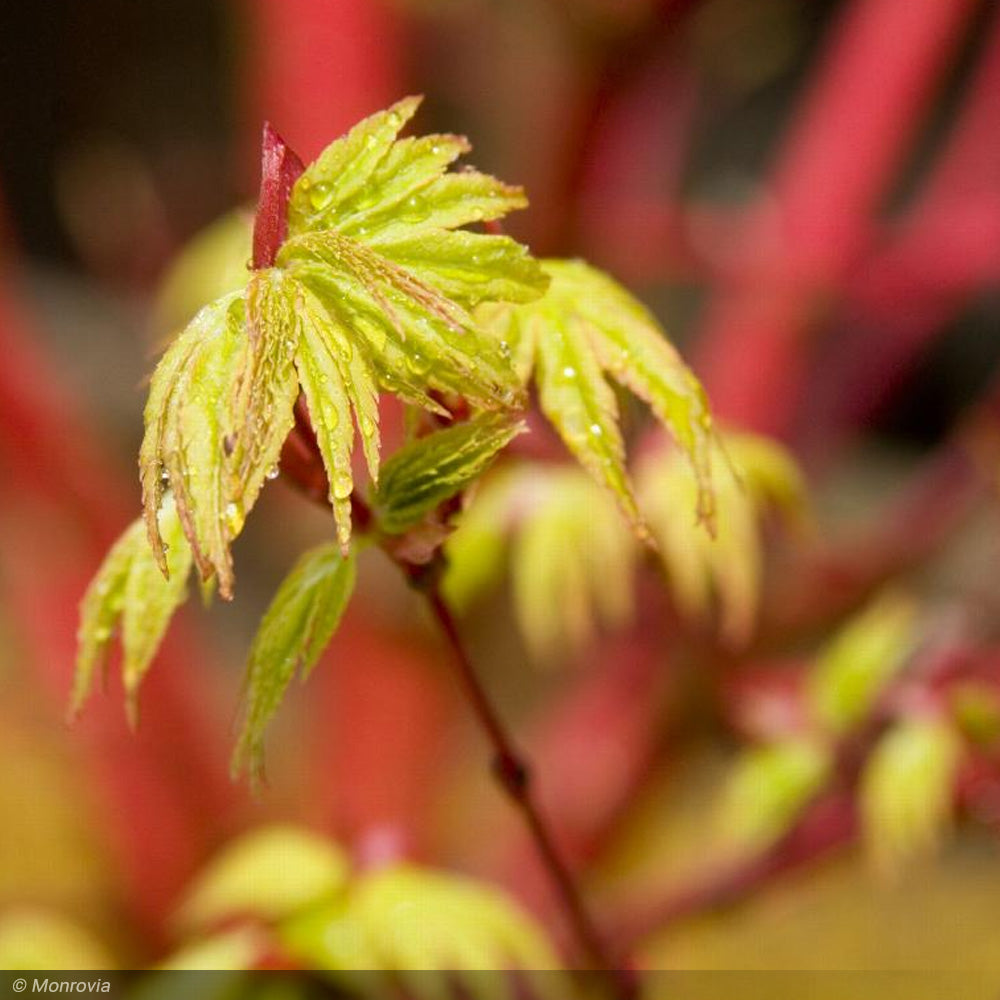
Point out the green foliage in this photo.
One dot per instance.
(188, 420)
(294, 631)
(430, 470)
(769, 787)
(586, 328)
(268, 874)
(370, 293)
(853, 669)
(129, 590)
(908, 790)
(749, 475)
(571, 555)
(407, 920)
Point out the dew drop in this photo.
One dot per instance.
(596, 430)
(233, 517)
(569, 372)
(320, 196)
(367, 426)
(273, 472)
(331, 418)
(342, 485)
(417, 364)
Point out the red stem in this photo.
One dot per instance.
(514, 776)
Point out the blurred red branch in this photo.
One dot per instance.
(881, 65)
(947, 247)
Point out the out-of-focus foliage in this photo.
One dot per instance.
(284, 890)
(854, 667)
(408, 920)
(370, 292)
(129, 590)
(586, 328)
(768, 789)
(750, 474)
(907, 792)
(294, 631)
(34, 938)
(571, 557)
(573, 567)
(432, 469)
(270, 873)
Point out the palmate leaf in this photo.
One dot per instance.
(293, 633)
(129, 590)
(586, 329)
(371, 293)
(430, 470)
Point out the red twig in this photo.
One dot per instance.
(514, 776)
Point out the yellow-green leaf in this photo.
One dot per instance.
(344, 169)
(855, 666)
(130, 590)
(430, 470)
(338, 382)
(265, 390)
(416, 334)
(467, 267)
(188, 418)
(269, 874)
(585, 330)
(907, 791)
(294, 631)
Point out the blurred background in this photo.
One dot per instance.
(807, 194)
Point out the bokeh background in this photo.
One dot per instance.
(807, 194)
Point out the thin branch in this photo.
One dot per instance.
(514, 775)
